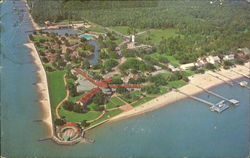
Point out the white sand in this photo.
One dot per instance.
(42, 88)
(203, 80)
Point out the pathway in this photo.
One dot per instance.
(100, 116)
(66, 98)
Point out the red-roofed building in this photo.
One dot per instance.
(88, 95)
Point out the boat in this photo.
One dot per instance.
(243, 83)
(234, 102)
(219, 107)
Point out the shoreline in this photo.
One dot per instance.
(34, 24)
(41, 84)
(205, 81)
(42, 88)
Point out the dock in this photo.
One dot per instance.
(237, 82)
(241, 74)
(44, 139)
(196, 98)
(231, 101)
(229, 83)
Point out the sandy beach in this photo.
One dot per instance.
(206, 81)
(42, 86)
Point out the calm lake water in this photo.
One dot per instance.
(183, 129)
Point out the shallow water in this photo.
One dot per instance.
(183, 129)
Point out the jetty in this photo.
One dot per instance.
(44, 139)
(229, 83)
(231, 101)
(196, 98)
(241, 74)
(237, 82)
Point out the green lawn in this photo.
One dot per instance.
(107, 115)
(156, 35)
(171, 59)
(114, 102)
(96, 29)
(176, 84)
(74, 99)
(133, 96)
(78, 117)
(57, 91)
(123, 29)
(142, 100)
(189, 73)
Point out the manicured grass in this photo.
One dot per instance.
(78, 117)
(163, 89)
(114, 102)
(117, 101)
(142, 100)
(118, 40)
(133, 96)
(57, 91)
(92, 106)
(173, 61)
(123, 29)
(74, 99)
(96, 29)
(156, 35)
(165, 75)
(176, 84)
(189, 73)
(107, 115)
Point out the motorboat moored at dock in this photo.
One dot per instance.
(243, 83)
(219, 107)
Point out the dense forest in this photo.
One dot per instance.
(203, 27)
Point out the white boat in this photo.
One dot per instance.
(219, 107)
(243, 83)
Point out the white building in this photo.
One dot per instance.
(187, 66)
(200, 62)
(213, 59)
(228, 57)
(173, 68)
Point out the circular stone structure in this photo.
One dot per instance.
(69, 131)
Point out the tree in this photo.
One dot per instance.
(84, 123)
(158, 80)
(85, 64)
(116, 80)
(210, 66)
(109, 64)
(67, 105)
(99, 98)
(83, 40)
(152, 89)
(121, 90)
(59, 122)
(78, 108)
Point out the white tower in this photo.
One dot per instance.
(133, 38)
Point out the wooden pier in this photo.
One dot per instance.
(215, 94)
(237, 82)
(229, 83)
(44, 139)
(241, 74)
(196, 98)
